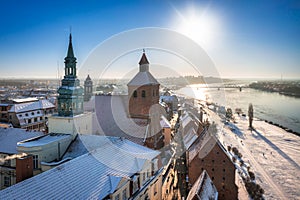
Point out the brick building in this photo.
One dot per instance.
(208, 154)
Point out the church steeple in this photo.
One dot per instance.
(70, 99)
(70, 49)
(70, 61)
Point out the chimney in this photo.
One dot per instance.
(24, 168)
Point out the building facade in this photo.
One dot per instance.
(88, 88)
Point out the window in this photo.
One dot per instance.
(143, 93)
(35, 162)
(223, 170)
(32, 113)
(153, 93)
(213, 169)
(38, 112)
(41, 118)
(20, 115)
(212, 178)
(124, 194)
(29, 121)
(117, 197)
(26, 114)
(35, 119)
(135, 94)
(223, 178)
(135, 184)
(6, 181)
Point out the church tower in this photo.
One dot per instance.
(143, 91)
(70, 99)
(88, 88)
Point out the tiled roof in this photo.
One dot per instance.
(143, 78)
(9, 137)
(93, 175)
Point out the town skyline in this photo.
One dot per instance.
(243, 40)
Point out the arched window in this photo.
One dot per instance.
(135, 94)
(143, 93)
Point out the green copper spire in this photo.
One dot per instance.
(70, 99)
(70, 49)
(70, 61)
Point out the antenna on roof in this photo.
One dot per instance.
(58, 74)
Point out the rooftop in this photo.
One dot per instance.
(9, 137)
(203, 188)
(47, 139)
(30, 106)
(93, 175)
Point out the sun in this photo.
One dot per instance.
(202, 27)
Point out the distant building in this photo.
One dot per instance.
(88, 88)
(170, 99)
(28, 113)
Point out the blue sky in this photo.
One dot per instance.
(243, 38)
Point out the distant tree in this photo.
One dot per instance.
(229, 114)
(234, 159)
(229, 148)
(250, 115)
(235, 150)
(252, 175)
(242, 163)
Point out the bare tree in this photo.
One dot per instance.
(250, 115)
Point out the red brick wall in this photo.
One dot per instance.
(24, 168)
(139, 107)
(219, 168)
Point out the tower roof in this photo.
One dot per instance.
(143, 77)
(70, 53)
(144, 59)
(88, 78)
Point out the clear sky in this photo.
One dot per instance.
(243, 38)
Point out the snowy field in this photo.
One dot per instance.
(273, 154)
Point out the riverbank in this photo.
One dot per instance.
(270, 151)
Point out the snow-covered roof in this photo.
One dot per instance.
(87, 143)
(203, 188)
(24, 100)
(9, 137)
(30, 106)
(47, 139)
(189, 138)
(164, 122)
(143, 78)
(112, 120)
(93, 175)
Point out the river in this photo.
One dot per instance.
(280, 109)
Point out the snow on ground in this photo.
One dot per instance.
(273, 154)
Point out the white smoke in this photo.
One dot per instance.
(2, 160)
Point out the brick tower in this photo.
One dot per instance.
(143, 91)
